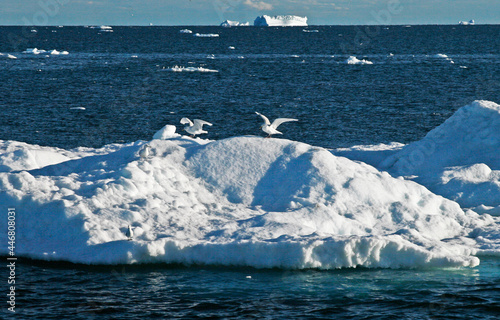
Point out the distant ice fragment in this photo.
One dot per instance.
(206, 35)
(354, 60)
(185, 31)
(190, 69)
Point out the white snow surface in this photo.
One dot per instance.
(242, 201)
(280, 21)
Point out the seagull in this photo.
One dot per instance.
(196, 127)
(269, 128)
(145, 151)
(129, 233)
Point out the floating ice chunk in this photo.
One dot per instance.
(167, 132)
(229, 23)
(190, 69)
(34, 51)
(206, 35)
(185, 31)
(11, 56)
(77, 108)
(354, 60)
(231, 48)
(54, 52)
(310, 31)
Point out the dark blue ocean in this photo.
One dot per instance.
(119, 87)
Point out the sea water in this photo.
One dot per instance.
(117, 87)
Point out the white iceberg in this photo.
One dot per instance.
(229, 23)
(467, 23)
(185, 31)
(280, 21)
(354, 60)
(243, 201)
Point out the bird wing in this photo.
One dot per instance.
(186, 121)
(266, 120)
(279, 121)
(199, 123)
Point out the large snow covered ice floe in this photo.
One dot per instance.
(243, 201)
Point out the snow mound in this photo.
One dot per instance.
(280, 21)
(166, 132)
(244, 201)
(459, 159)
(354, 60)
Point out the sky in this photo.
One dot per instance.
(213, 12)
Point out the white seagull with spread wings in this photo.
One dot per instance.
(269, 128)
(194, 127)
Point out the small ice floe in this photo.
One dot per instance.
(354, 60)
(185, 31)
(443, 56)
(308, 31)
(190, 69)
(11, 56)
(295, 56)
(206, 35)
(77, 108)
(34, 51)
(211, 56)
(464, 67)
(34, 30)
(134, 56)
(106, 28)
(231, 48)
(249, 277)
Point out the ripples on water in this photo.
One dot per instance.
(158, 291)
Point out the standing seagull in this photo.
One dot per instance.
(145, 151)
(130, 233)
(269, 128)
(196, 127)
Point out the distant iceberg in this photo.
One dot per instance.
(229, 23)
(467, 23)
(185, 31)
(280, 21)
